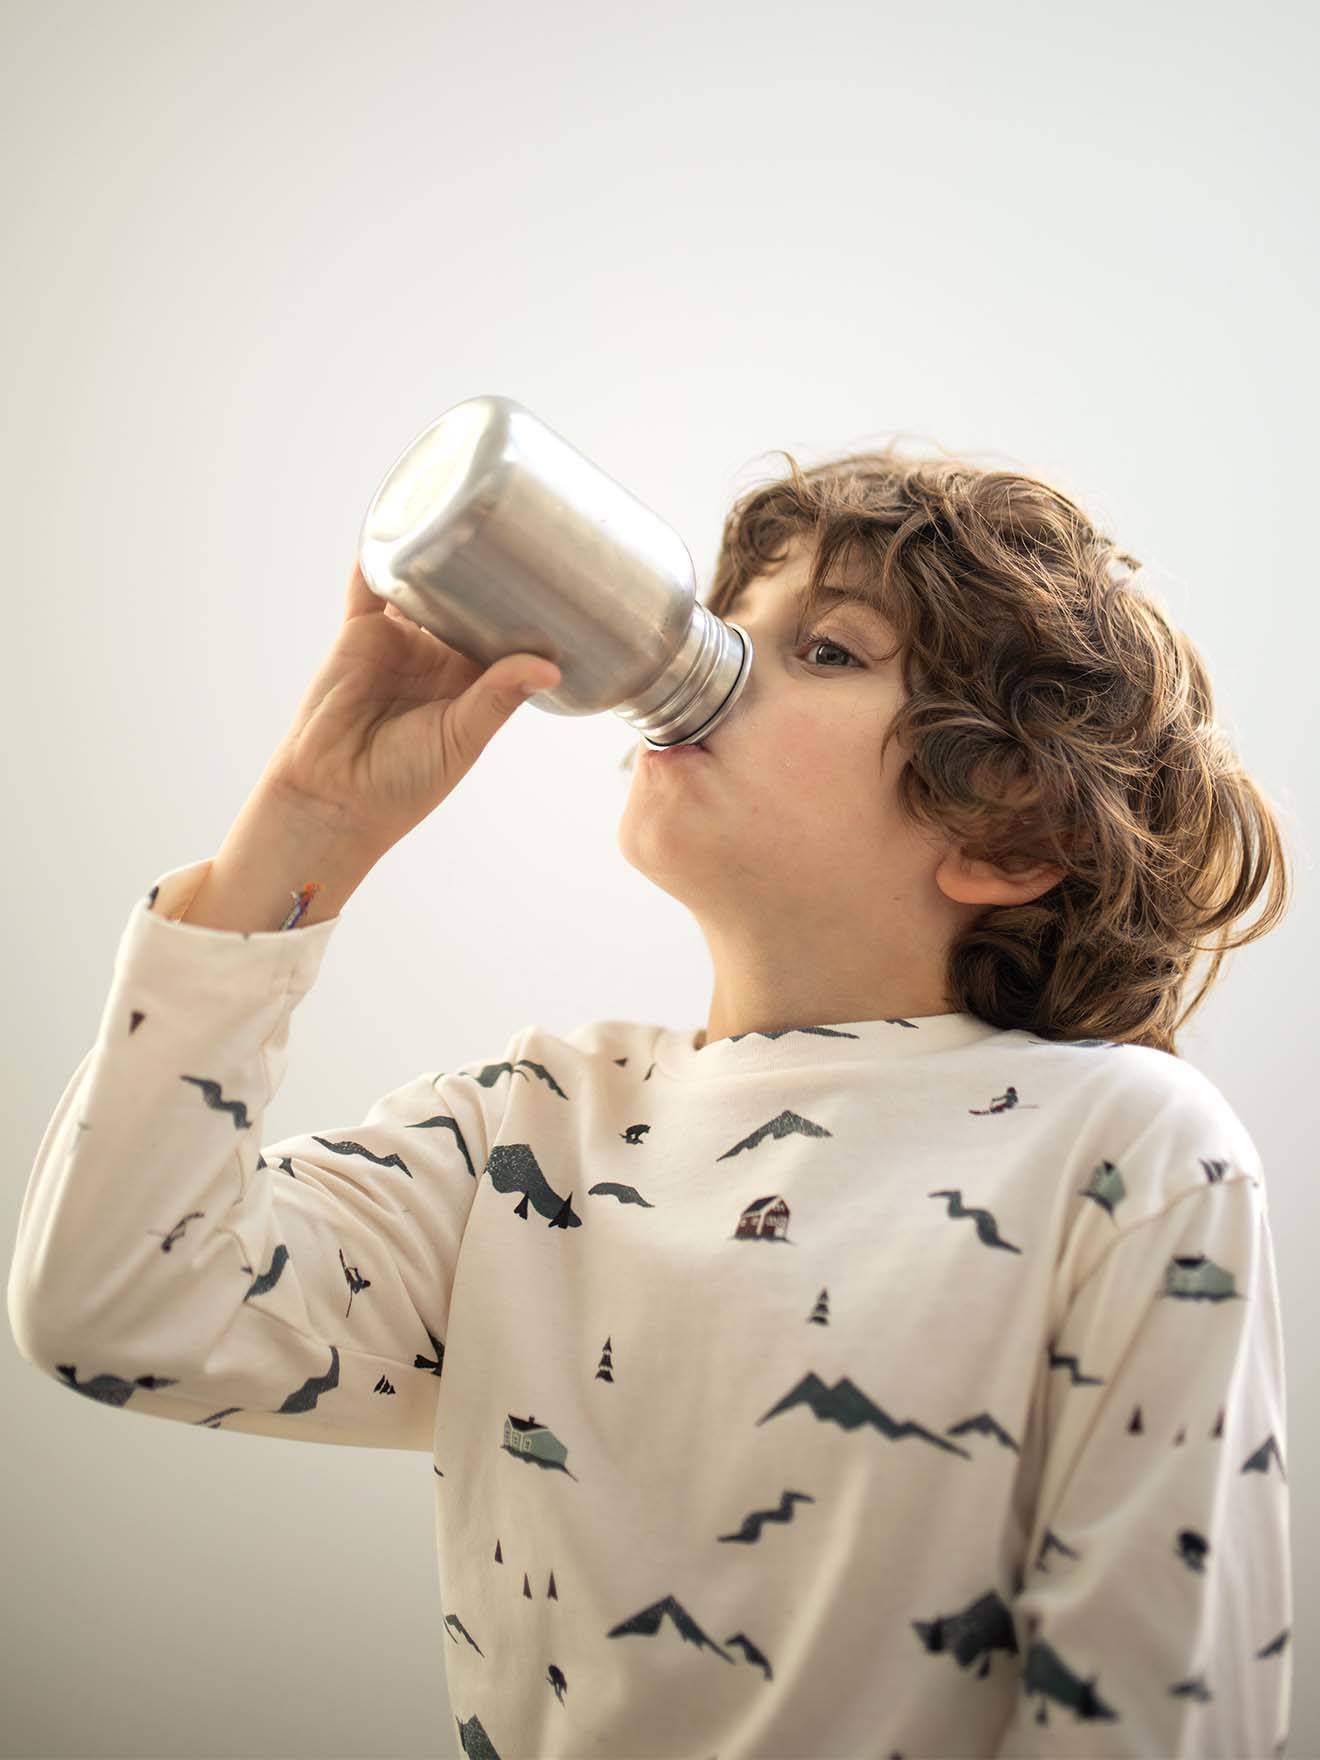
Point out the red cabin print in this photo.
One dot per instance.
(766, 1219)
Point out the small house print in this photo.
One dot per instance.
(1195, 1275)
(526, 1436)
(766, 1220)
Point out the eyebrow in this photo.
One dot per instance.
(827, 595)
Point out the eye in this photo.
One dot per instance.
(820, 641)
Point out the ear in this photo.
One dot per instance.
(974, 882)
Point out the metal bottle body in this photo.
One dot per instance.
(496, 534)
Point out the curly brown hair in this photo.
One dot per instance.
(1053, 713)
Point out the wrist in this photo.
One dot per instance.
(275, 849)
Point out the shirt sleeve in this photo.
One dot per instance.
(167, 1264)
(1156, 1612)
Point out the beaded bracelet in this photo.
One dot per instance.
(301, 900)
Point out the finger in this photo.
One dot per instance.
(497, 694)
(361, 600)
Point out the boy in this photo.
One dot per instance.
(893, 1366)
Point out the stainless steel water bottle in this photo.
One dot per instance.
(494, 533)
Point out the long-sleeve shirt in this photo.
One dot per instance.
(904, 1387)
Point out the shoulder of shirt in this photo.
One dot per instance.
(610, 1040)
(606, 1041)
(1175, 1130)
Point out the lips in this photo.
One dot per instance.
(679, 749)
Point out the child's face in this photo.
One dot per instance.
(819, 901)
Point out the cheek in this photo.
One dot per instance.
(820, 746)
(836, 779)
(799, 741)
(789, 772)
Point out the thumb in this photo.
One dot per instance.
(476, 717)
(506, 685)
(458, 730)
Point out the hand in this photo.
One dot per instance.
(394, 720)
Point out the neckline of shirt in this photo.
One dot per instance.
(837, 1042)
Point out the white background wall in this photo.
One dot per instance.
(250, 251)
